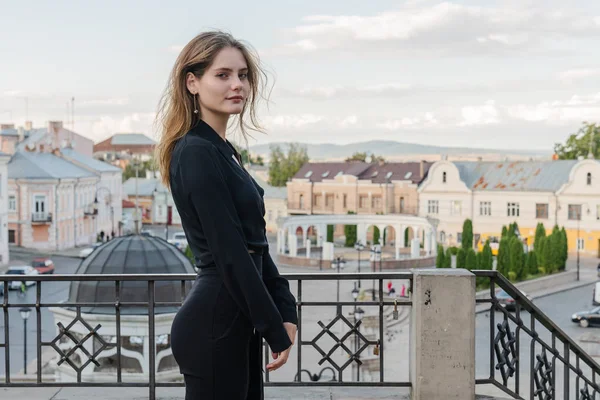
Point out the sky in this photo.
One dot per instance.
(495, 74)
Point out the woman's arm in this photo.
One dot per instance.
(279, 288)
(204, 183)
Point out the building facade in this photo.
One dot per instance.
(4, 255)
(492, 194)
(362, 188)
(119, 148)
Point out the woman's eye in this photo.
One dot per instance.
(243, 76)
(222, 75)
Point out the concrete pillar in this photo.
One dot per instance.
(307, 248)
(293, 245)
(400, 235)
(427, 241)
(304, 234)
(361, 233)
(442, 337)
(415, 248)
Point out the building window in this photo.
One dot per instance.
(485, 208)
(301, 201)
(541, 211)
(580, 244)
(269, 215)
(363, 201)
(513, 210)
(598, 212)
(12, 203)
(433, 207)
(345, 201)
(376, 202)
(444, 177)
(589, 178)
(318, 200)
(401, 204)
(329, 200)
(575, 212)
(159, 211)
(455, 207)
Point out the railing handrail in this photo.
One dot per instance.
(305, 276)
(540, 316)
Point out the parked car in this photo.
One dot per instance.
(179, 240)
(587, 318)
(506, 301)
(146, 232)
(84, 253)
(21, 270)
(43, 265)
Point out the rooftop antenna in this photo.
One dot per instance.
(591, 153)
(72, 117)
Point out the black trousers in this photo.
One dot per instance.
(215, 345)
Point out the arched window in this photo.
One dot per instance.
(589, 178)
(444, 177)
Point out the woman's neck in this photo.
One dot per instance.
(216, 121)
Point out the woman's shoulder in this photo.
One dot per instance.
(192, 145)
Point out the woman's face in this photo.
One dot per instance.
(224, 87)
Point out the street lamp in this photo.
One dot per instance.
(25, 311)
(375, 253)
(358, 246)
(358, 315)
(340, 263)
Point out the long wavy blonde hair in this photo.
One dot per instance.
(176, 116)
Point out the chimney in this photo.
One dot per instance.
(480, 159)
(28, 125)
(7, 126)
(54, 126)
(21, 134)
(421, 169)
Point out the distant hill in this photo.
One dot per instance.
(392, 150)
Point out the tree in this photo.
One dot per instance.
(190, 255)
(461, 258)
(143, 169)
(376, 235)
(350, 232)
(540, 253)
(439, 260)
(448, 258)
(579, 144)
(532, 268)
(479, 260)
(556, 250)
(565, 248)
(362, 156)
(504, 231)
(283, 167)
(471, 260)
(517, 260)
(487, 256)
(503, 256)
(467, 235)
(547, 257)
(540, 232)
(330, 233)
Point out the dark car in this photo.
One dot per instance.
(587, 318)
(43, 265)
(506, 301)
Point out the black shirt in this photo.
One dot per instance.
(222, 213)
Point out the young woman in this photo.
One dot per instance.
(238, 297)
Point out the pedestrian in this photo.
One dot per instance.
(238, 296)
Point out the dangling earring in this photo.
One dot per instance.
(195, 105)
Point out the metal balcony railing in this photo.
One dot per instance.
(529, 355)
(41, 217)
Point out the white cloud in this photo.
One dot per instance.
(444, 28)
(303, 121)
(176, 48)
(575, 74)
(106, 102)
(479, 115)
(325, 92)
(576, 109)
(108, 125)
(424, 120)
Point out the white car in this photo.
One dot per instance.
(21, 270)
(179, 240)
(84, 253)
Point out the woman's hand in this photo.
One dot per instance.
(281, 358)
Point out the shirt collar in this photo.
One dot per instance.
(205, 131)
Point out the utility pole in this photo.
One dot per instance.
(136, 166)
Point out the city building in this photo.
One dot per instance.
(50, 201)
(128, 217)
(4, 256)
(108, 196)
(492, 194)
(359, 187)
(119, 148)
(275, 198)
(46, 139)
(151, 194)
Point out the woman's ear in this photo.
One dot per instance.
(190, 82)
